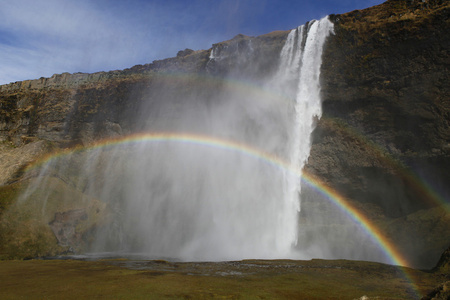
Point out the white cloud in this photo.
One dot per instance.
(58, 36)
(55, 36)
(43, 37)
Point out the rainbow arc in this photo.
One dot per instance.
(387, 246)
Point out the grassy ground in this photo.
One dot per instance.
(125, 279)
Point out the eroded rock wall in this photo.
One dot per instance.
(383, 140)
(386, 96)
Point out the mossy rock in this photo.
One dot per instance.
(27, 213)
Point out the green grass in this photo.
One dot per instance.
(317, 279)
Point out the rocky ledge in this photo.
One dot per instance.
(383, 141)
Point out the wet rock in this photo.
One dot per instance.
(64, 227)
(385, 86)
(14, 160)
(443, 264)
(383, 138)
(442, 292)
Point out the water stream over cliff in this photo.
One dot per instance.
(209, 176)
(202, 203)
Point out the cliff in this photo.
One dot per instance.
(386, 79)
(383, 141)
(384, 138)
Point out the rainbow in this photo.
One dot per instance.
(386, 246)
(418, 185)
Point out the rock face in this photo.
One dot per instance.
(385, 78)
(442, 292)
(383, 141)
(78, 108)
(64, 226)
(443, 264)
(384, 137)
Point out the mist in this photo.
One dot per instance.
(211, 169)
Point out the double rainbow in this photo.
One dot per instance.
(361, 220)
(387, 246)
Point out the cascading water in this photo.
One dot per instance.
(202, 194)
(302, 57)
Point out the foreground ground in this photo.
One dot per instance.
(250, 279)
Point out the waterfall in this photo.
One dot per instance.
(301, 59)
(307, 54)
(209, 189)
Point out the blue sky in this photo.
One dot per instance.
(39, 38)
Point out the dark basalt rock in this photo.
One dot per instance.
(443, 264)
(384, 137)
(385, 77)
(442, 292)
(384, 134)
